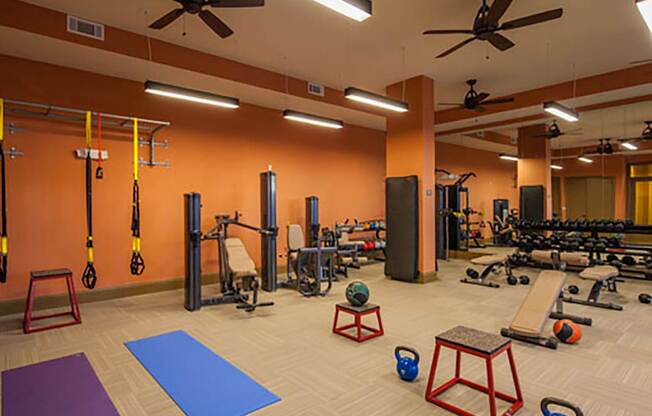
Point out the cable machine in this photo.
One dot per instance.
(231, 292)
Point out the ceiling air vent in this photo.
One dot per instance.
(85, 27)
(315, 89)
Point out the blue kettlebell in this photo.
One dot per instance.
(545, 405)
(407, 367)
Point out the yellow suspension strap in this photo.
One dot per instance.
(3, 241)
(137, 266)
(89, 277)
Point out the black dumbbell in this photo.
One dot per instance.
(645, 298)
(524, 279)
(573, 290)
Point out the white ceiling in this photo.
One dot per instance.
(304, 39)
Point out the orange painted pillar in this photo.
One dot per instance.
(534, 161)
(410, 150)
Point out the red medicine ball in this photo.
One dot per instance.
(567, 331)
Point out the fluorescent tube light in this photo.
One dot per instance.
(508, 157)
(358, 10)
(629, 145)
(312, 119)
(560, 111)
(187, 94)
(377, 100)
(584, 159)
(556, 167)
(645, 8)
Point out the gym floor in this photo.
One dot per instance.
(291, 350)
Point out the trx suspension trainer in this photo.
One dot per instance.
(3, 241)
(137, 266)
(89, 277)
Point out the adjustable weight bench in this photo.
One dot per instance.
(571, 258)
(492, 264)
(531, 317)
(600, 276)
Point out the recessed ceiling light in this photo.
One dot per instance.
(584, 159)
(556, 167)
(358, 10)
(377, 100)
(312, 119)
(560, 111)
(187, 94)
(508, 157)
(645, 8)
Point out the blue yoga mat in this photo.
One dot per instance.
(198, 380)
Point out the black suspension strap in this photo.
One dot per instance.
(137, 265)
(89, 277)
(3, 241)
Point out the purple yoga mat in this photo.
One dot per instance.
(65, 386)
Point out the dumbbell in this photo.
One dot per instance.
(472, 273)
(573, 290)
(645, 298)
(524, 279)
(628, 260)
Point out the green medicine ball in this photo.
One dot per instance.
(357, 293)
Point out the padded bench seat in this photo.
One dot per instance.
(240, 264)
(489, 260)
(50, 273)
(570, 258)
(599, 273)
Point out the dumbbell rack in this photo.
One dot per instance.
(595, 244)
(378, 252)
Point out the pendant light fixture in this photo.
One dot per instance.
(376, 100)
(357, 10)
(187, 94)
(312, 119)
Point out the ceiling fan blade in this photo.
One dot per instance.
(499, 101)
(447, 32)
(237, 3)
(167, 19)
(450, 104)
(497, 10)
(216, 24)
(533, 19)
(456, 47)
(481, 97)
(500, 42)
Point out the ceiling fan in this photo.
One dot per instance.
(605, 147)
(474, 100)
(486, 25)
(553, 131)
(646, 134)
(197, 7)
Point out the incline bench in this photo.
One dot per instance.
(531, 317)
(600, 276)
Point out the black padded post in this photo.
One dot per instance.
(312, 221)
(192, 240)
(402, 210)
(268, 222)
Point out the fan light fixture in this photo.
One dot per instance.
(556, 167)
(561, 111)
(357, 10)
(376, 100)
(584, 159)
(312, 119)
(181, 93)
(645, 8)
(629, 145)
(508, 157)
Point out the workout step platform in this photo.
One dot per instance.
(358, 313)
(480, 344)
(44, 275)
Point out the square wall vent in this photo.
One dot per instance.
(315, 89)
(85, 27)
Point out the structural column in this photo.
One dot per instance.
(410, 150)
(534, 161)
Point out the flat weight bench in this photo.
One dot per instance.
(492, 264)
(358, 313)
(531, 317)
(479, 344)
(600, 276)
(44, 275)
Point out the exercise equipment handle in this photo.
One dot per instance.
(3, 238)
(137, 265)
(545, 403)
(397, 353)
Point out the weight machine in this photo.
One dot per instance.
(233, 260)
(453, 207)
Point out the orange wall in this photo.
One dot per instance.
(217, 152)
(495, 177)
